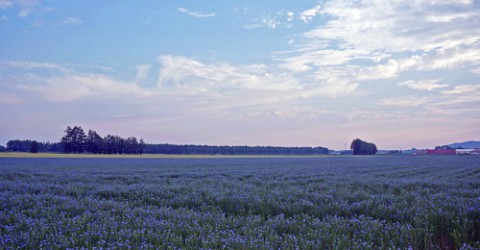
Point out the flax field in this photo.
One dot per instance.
(376, 202)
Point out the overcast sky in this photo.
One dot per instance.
(400, 73)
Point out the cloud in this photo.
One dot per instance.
(143, 71)
(71, 21)
(369, 25)
(428, 85)
(26, 6)
(77, 86)
(264, 22)
(431, 35)
(332, 87)
(184, 71)
(272, 21)
(290, 16)
(307, 15)
(319, 58)
(5, 4)
(195, 13)
(404, 101)
(3, 18)
(58, 83)
(461, 99)
(464, 56)
(33, 65)
(357, 45)
(464, 90)
(222, 80)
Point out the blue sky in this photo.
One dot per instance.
(398, 73)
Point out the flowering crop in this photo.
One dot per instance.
(251, 203)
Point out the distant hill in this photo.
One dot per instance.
(466, 144)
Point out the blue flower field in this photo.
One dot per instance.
(240, 203)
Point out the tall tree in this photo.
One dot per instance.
(74, 140)
(93, 142)
(141, 146)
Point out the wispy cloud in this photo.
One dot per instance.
(404, 101)
(196, 13)
(5, 4)
(59, 83)
(32, 65)
(78, 86)
(71, 21)
(264, 22)
(219, 77)
(143, 71)
(307, 15)
(272, 21)
(471, 90)
(461, 99)
(26, 7)
(428, 85)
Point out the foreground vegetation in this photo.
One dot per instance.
(242, 203)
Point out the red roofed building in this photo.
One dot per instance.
(440, 151)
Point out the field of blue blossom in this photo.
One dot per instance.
(240, 203)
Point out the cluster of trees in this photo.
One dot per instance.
(33, 146)
(360, 147)
(76, 140)
(232, 150)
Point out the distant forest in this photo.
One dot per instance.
(77, 141)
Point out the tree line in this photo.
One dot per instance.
(33, 146)
(232, 150)
(76, 140)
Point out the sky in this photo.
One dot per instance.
(400, 73)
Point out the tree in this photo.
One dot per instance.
(360, 147)
(74, 140)
(93, 142)
(141, 146)
(34, 147)
(18, 145)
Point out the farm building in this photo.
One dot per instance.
(440, 152)
(464, 151)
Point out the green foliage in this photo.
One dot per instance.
(34, 147)
(360, 147)
(76, 141)
(26, 146)
(232, 150)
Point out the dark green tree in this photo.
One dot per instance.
(74, 140)
(34, 147)
(93, 142)
(360, 147)
(141, 146)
